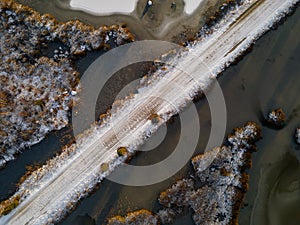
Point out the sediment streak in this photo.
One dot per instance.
(47, 196)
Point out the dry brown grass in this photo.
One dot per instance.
(8, 205)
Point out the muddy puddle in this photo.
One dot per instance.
(265, 79)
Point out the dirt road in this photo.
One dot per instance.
(204, 61)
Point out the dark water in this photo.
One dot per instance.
(34, 156)
(161, 22)
(265, 79)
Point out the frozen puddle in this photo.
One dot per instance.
(191, 5)
(106, 7)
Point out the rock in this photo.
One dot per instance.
(276, 118)
(123, 152)
(73, 93)
(155, 119)
(104, 167)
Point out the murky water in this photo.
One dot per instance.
(265, 79)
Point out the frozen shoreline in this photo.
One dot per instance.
(104, 7)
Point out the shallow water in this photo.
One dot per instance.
(265, 79)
